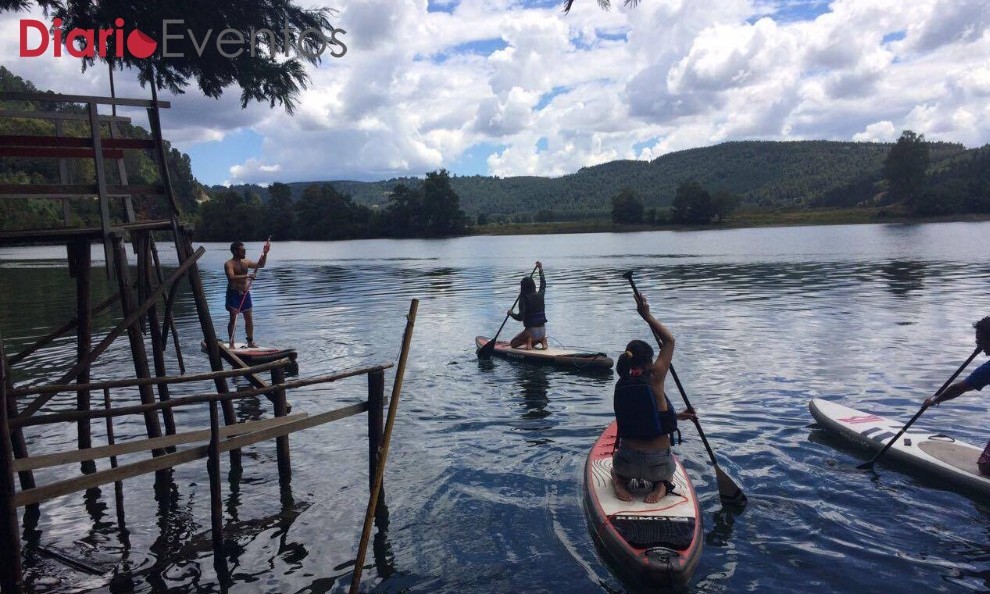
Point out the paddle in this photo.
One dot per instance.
(924, 407)
(489, 348)
(728, 490)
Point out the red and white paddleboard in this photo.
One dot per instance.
(951, 461)
(255, 354)
(656, 544)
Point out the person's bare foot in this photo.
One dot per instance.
(621, 492)
(658, 493)
(252, 345)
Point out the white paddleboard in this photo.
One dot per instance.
(938, 454)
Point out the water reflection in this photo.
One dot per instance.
(903, 276)
(533, 386)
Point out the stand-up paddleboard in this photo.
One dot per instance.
(562, 357)
(257, 354)
(656, 544)
(951, 461)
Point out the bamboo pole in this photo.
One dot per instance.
(393, 405)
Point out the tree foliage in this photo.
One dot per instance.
(271, 69)
(627, 208)
(141, 168)
(906, 168)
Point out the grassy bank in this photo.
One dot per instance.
(739, 220)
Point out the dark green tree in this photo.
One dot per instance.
(442, 212)
(725, 203)
(403, 214)
(273, 72)
(627, 208)
(692, 205)
(281, 214)
(906, 168)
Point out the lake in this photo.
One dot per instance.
(484, 476)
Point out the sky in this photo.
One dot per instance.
(517, 87)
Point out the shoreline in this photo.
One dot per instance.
(743, 220)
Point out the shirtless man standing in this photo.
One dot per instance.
(239, 287)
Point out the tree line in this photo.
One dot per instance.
(428, 209)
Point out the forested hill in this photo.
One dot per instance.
(787, 174)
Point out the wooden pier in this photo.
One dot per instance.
(144, 302)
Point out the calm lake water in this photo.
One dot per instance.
(484, 476)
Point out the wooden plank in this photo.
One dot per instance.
(44, 190)
(24, 140)
(130, 382)
(103, 477)
(142, 445)
(23, 420)
(59, 116)
(59, 98)
(58, 153)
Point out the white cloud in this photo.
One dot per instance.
(417, 89)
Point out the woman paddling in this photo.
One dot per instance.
(531, 313)
(646, 418)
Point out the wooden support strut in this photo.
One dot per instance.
(116, 332)
(11, 572)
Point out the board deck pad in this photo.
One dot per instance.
(563, 356)
(655, 543)
(942, 456)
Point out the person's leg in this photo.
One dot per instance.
(230, 326)
(249, 328)
(519, 339)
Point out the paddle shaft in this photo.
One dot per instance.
(728, 489)
(680, 387)
(924, 407)
(490, 345)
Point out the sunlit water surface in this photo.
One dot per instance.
(484, 476)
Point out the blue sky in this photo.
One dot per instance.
(510, 87)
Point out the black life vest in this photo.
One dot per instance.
(534, 314)
(636, 410)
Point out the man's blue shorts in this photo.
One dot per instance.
(234, 298)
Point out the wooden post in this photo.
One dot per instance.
(376, 430)
(138, 351)
(213, 469)
(80, 262)
(145, 266)
(169, 320)
(282, 442)
(209, 334)
(118, 486)
(11, 573)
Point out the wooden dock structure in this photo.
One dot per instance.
(143, 305)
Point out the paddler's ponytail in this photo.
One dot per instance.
(637, 354)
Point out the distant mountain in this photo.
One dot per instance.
(762, 173)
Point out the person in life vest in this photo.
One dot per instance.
(646, 418)
(977, 380)
(531, 313)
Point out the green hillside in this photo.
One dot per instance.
(776, 174)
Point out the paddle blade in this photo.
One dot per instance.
(486, 351)
(868, 465)
(728, 489)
